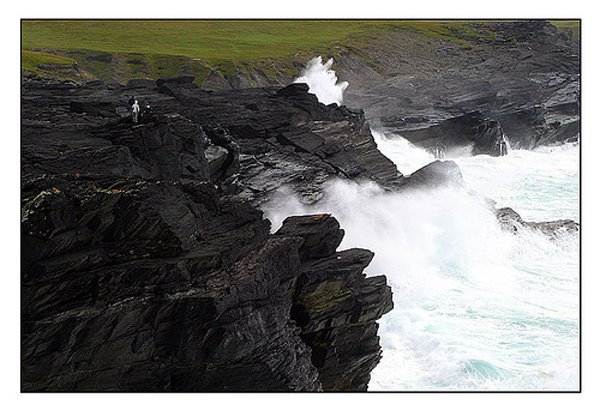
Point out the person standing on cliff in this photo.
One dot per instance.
(145, 112)
(130, 103)
(135, 110)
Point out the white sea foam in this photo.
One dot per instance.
(475, 308)
(407, 157)
(322, 81)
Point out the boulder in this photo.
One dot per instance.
(293, 90)
(511, 221)
(229, 164)
(321, 234)
(435, 175)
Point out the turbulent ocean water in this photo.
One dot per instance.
(486, 309)
(475, 308)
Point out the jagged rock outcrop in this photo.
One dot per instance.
(335, 304)
(434, 175)
(472, 130)
(165, 286)
(271, 137)
(511, 221)
(146, 265)
(286, 137)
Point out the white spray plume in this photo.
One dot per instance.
(475, 307)
(407, 157)
(322, 81)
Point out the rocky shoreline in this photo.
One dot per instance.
(147, 264)
(517, 78)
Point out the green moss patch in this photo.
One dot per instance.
(32, 60)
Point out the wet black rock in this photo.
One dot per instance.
(335, 304)
(471, 130)
(321, 234)
(435, 175)
(286, 137)
(102, 108)
(293, 90)
(146, 265)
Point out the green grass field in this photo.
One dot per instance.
(161, 48)
(212, 41)
(170, 47)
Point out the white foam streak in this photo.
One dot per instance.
(407, 157)
(322, 81)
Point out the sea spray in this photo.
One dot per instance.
(475, 307)
(322, 81)
(541, 184)
(407, 157)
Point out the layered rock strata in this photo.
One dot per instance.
(147, 267)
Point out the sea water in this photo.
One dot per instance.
(487, 309)
(475, 307)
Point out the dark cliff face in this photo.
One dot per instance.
(524, 75)
(286, 137)
(471, 130)
(147, 267)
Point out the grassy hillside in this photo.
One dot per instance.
(159, 48)
(212, 41)
(569, 26)
(32, 60)
(122, 49)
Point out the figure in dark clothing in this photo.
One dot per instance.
(130, 103)
(145, 112)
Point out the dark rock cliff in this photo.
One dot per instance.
(146, 265)
(472, 130)
(521, 78)
(523, 75)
